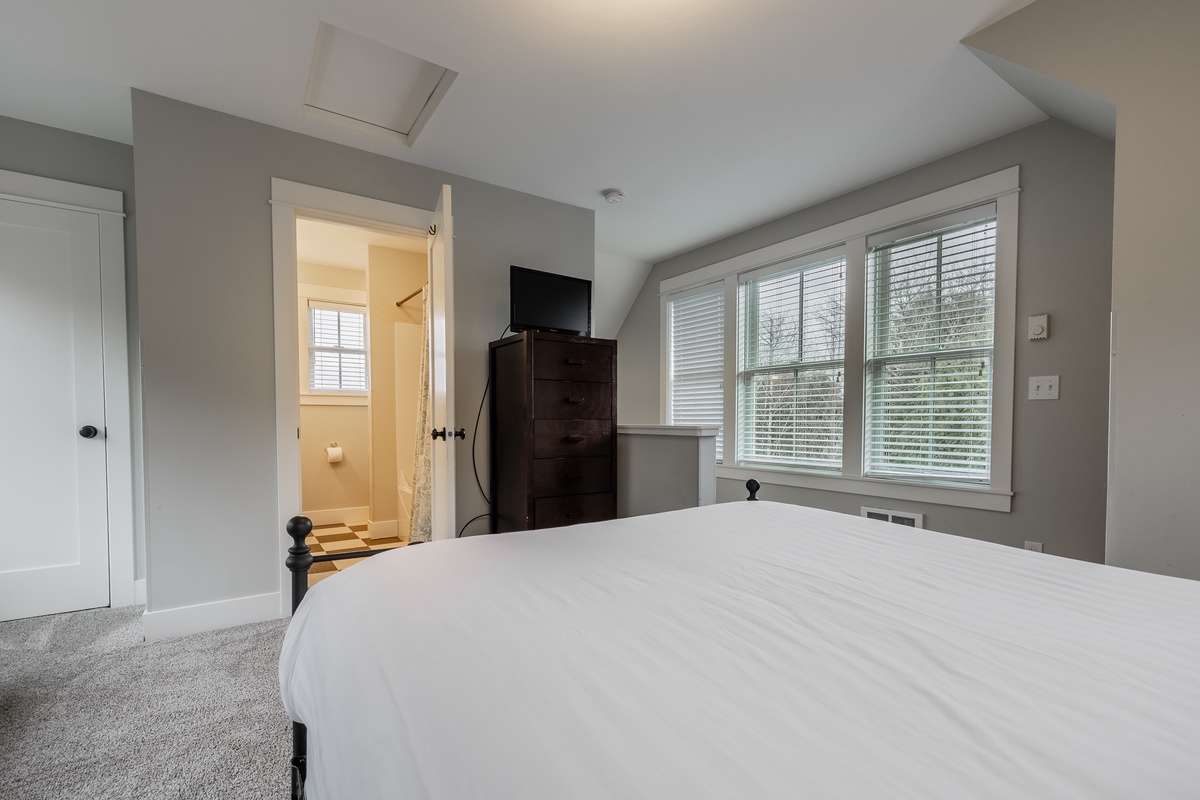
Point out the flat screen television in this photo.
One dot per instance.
(546, 301)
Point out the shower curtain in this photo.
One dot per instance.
(422, 472)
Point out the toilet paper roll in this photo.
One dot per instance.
(333, 454)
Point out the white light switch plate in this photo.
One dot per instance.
(1043, 387)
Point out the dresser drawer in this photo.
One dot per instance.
(551, 512)
(567, 438)
(572, 361)
(571, 400)
(562, 476)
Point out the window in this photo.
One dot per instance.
(697, 359)
(337, 348)
(873, 357)
(928, 387)
(792, 323)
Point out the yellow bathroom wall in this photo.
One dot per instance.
(391, 276)
(337, 492)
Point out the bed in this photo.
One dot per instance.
(744, 650)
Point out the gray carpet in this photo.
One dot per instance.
(89, 710)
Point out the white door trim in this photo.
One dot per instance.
(290, 200)
(107, 205)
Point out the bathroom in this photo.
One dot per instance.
(359, 303)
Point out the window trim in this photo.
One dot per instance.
(351, 300)
(1001, 187)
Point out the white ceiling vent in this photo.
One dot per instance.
(372, 87)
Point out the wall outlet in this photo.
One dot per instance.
(1034, 546)
(1043, 387)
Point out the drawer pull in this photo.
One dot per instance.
(575, 437)
(575, 362)
(576, 401)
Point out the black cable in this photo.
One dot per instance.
(468, 522)
(475, 435)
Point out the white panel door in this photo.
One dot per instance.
(441, 366)
(54, 535)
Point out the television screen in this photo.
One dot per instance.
(545, 301)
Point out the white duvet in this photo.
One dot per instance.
(743, 651)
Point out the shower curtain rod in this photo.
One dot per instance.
(409, 297)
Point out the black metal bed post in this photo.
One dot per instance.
(752, 486)
(298, 561)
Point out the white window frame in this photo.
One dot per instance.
(799, 264)
(340, 299)
(1001, 187)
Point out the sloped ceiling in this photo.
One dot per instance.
(711, 115)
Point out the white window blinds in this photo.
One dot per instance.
(697, 359)
(337, 349)
(930, 315)
(792, 335)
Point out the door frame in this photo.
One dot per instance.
(108, 206)
(290, 200)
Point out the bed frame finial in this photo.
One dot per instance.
(298, 561)
(752, 486)
(299, 557)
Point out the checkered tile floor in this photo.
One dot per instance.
(340, 538)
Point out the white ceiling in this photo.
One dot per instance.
(345, 246)
(711, 115)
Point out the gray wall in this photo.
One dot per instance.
(1064, 269)
(205, 279)
(62, 155)
(1144, 56)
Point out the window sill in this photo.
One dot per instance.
(963, 497)
(333, 399)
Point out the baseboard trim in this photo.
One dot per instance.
(139, 592)
(209, 616)
(332, 516)
(383, 529)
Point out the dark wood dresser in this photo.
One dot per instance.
(553, 430)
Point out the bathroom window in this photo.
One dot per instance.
(337, 348)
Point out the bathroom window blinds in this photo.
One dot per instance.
(337, 348)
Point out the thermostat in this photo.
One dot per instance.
(1039, 326)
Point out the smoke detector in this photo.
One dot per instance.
(613, 195)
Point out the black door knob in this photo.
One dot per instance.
(439, 434)
(88, 431)
(461, 433)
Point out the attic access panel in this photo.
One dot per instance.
(363, 84)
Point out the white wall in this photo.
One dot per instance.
(618, 281)
(1146, 57)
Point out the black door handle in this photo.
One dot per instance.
(439, 434)
(88, 431)
(461, 433)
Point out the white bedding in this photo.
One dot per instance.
(744, 651)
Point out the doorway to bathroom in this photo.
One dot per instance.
(364, 367)
(360, 295)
